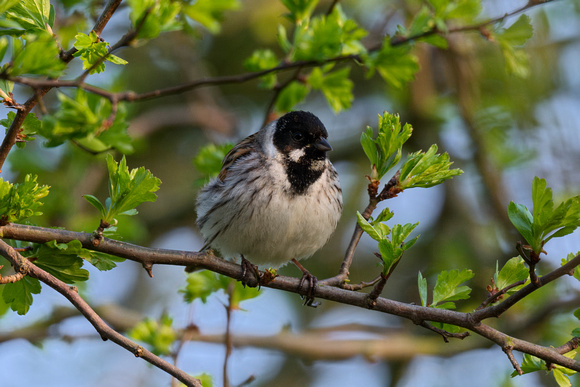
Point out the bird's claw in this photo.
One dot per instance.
(248, 278)
(311, 284)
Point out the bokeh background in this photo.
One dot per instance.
(502, 130)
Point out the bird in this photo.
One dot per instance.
(276, 199)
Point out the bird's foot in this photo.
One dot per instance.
(311, 283)
(250, 274)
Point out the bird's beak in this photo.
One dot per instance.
(322, 145)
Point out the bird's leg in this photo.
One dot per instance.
(248, 266)
(312, 283)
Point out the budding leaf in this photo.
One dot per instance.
(426, 169)
(22, 200)
(544, 222)
(127, 190)
(263, 60)
(385, 151)
(91, 50)
(210, 13)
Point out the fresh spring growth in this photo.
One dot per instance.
(22, 200)
(391, 249)
(159, 334)
(91, 50)
(544, 222)
(127, 190)
(426, 169)
(202, 284)
(384, 151)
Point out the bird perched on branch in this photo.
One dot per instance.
(276, 199)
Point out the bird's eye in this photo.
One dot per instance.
(297, 136)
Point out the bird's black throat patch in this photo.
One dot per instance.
(301, 175)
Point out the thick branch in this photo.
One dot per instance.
(415, 313)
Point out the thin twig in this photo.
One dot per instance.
(508, 349)
(228, 335)
(492, 298)
(444, 334)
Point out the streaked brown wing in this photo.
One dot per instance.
(244, 147)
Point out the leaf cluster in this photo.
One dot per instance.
(88, 121)
(22, 200)
(391, 249)
(158, 334)
(426, 169)
(62, 260)
(384, 152)
(91, 49)
(202, 284)
(127, 190)
(545, 221)
(208, 161)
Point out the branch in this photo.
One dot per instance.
(415, 313)
(107, 333)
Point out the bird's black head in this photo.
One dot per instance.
(301, 130)
(301, 138)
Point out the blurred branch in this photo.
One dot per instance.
(24, 266)
(417, 314)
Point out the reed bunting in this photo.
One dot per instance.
(276, 199)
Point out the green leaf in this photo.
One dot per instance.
(19, 294)
(62, 261)
(327, 36)
(576, 269)
(39, 56)
(577, 313)
(91, 50)
(576, 332)
(32, 15)
(159, 334)
(519, 32)
(447, 286)
(263, 60)
(517, 60)
(386, 151)
(336, 87)
(561, 378)
(531, 364)
(86, 120)
(22, 200)
(426, 169)
(422, 284)
(205, 379)
(155, 16)
(208, 160)
(513, 271)
(30, 127)
(392, 250)
(368, 228)
(200, 285)
(292, 95)
(545, 222)
(396, 65)
(210, 13)
(300, 10)
(128, 189)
